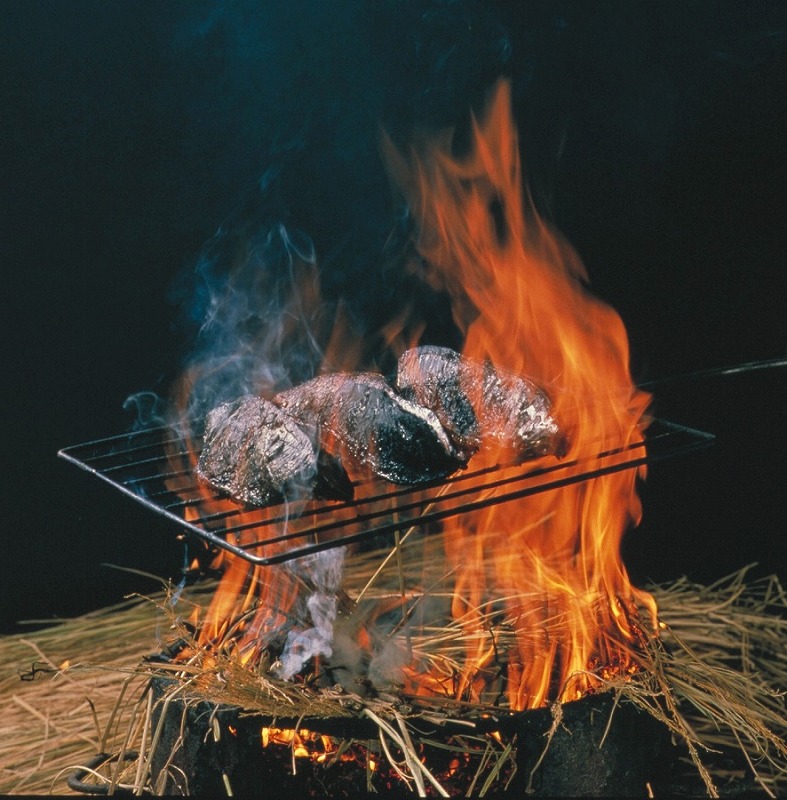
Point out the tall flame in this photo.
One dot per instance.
(547, 568)
(519, 297)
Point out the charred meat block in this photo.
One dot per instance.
(359, 418)
(433, 377)
(257, 454)
(479, 404)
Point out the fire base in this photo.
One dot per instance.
(597, 748)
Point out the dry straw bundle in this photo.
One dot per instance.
(715, 678)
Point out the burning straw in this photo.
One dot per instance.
(715, 679)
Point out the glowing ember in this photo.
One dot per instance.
(304, 743)
(519, 603)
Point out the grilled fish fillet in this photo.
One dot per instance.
(359, 418)
(257, 454)
(480, 405)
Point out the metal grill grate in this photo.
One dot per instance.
(154, 467)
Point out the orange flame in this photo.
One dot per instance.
(546, 568)
(518, 296)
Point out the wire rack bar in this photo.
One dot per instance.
(153, 467)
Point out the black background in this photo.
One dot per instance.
(653, 137)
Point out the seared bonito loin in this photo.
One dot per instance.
(480, 405)
(359, 418)
(308, 438)
(256, 454)
(432, 377)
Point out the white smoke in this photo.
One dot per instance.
(256, 301)
(323, 571)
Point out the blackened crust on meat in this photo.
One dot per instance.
(431, 376)
(359, 417)
(481, 405)
(256, 454)
(332, 481)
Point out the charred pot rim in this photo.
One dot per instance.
(449, 718)
(599, 745)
